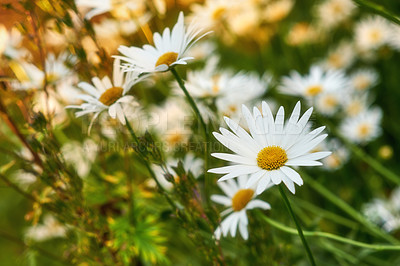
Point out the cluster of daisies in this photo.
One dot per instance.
(265, 149)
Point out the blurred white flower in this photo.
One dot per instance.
(364, 79)
(80, 156)
(50, 228)
(371, 33)
(10, 43)
(340, 154)
(190, 164)
(364, 127)
(331, 13)
(385, 212)
(172, 122)
(239, 198)
(318, 87)
(212, 13)
(341, 57)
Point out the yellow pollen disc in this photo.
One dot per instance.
(364, 130)
(335, 60)
(241, 198)
(354, 108)
(313, 90)
(271, 158)
(167, 59)
(375, 35)
(111, 95)
(330, 101)
(175, 139)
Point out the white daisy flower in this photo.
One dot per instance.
(340, 154)
(385, 212)
(355, 104)
(190, 163)
(331, 13)
(372, 33)
(364, 127)
(316, 82)
(328, 103)
(169, 49)
(239, 199)
(105, 95)
(364, 79)
(271, 149)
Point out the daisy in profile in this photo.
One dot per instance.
(271, 149)
(340, 57)
(317, 82)
(238, 199)
(169, 50)
(364, 127)
(105, 95)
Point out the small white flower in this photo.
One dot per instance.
(172, 122)
(212, 13)
(239, 199)
(190, 164)
(315, 83)
(372, 33)
(271, 149)
(50, 228)
(331, 13)
(364, 79)
(10, 43)
(97, 7)
(340, 154)
(385, 212)
(105, 95)
(169, 50)
(364, 127)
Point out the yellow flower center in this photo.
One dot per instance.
(364, 130)
(313, 90)
(330, 101)
(271, 158)
(375, 36)
(335, 60)
(241, 198)
(167, 59)
(111, 95)
(354, 108)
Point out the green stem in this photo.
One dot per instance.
(207, 181)
(148, 167)
(348, 209)
(378, 9)
(299, 230)
(328, 235)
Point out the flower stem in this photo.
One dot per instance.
(207, 181)
(290, 230)
(378, 9)
(147, 165)
(348, 209)
(299, 230)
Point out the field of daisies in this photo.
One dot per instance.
(191, 132)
